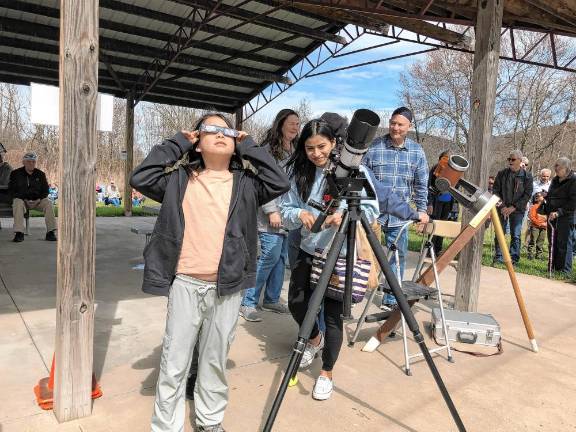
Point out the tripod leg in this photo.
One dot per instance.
(308, 323)
(508, 261)
(410, 320)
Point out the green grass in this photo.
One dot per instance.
(525, 266)
(109, 211)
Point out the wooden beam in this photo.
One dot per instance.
(413, 23)
(348, 17)
(129, 154)
(239, 118)
(483, 99)
(77, 209)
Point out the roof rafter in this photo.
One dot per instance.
(270, 22)
(209, 28)
(52, 33)
(140, 31)
(45, 48)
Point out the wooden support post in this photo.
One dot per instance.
(77, 209)
(129, 154)
(239, 118)
(483, 95)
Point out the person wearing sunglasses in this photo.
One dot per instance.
(202, 255)
(514, 187)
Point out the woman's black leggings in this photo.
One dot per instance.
(299, 295)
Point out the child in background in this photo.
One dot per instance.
(536, 227)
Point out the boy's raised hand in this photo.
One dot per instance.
(241, 136)
(191, 136)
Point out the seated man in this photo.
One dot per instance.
(29, 189)
(5, 170)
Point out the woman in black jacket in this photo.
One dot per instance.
(202, 254)
(560, 205)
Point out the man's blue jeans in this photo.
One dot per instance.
(515, 223)
(270, 270)
(391, 233)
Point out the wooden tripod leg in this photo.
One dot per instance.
(508, 261)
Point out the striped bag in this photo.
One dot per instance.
(335, 288)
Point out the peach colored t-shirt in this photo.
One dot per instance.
(206, 204)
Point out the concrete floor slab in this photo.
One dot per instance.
(516, 391)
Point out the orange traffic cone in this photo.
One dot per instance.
(44, 391)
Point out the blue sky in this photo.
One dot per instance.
(374, 86)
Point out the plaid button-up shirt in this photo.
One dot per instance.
(402, 169)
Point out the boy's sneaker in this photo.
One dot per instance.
(311, 352)
(249, 314)
(51, 236)
(280, 308)
(323, 388)
(18, 237)
(212, 428)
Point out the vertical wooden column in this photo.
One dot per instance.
(129, 154)
(483, 95)
(77, 209)
(239, 115)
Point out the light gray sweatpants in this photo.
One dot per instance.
(195, 311)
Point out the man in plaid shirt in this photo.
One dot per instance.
(399, 163)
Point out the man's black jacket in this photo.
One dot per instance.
(561, 197)
(154, 179)
(28, 186)
(514, 188)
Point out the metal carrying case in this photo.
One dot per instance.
(467, 327)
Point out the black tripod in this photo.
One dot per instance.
(347, 231)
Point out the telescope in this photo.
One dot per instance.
(341, 173)
(449, 172)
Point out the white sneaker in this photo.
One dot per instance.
(323, 388)
(311, 352)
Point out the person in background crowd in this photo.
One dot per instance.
(53, 192)
(279, 141)
(5, 170)
(537, 227)
(137, 198)
(514, 186)
(491, 180)
(560, 206)
(29, 189)
(441, 206)
(525, 164)
(543, 182)
(399, 164)
(112, 195)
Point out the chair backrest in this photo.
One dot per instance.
(442, 228)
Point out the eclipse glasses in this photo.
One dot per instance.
(232, 133)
